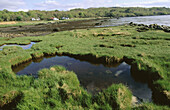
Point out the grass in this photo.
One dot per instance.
(57, 88)
(23, 23)
(150, 106)
(147, 52)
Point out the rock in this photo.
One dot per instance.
(167, 30)
(56, 29)
(141, 25)
(142, 29)
(131, 23)
(145, 25)
(159, 27)
(98, 24)
(151, 26)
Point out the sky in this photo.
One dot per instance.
(25, 5)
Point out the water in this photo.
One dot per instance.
(160, 20)
(23, 46)
(93, 76)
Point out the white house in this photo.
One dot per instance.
(65, 18)
(52, 18)
(55, 19)
(33, 19)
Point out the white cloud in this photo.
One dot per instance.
(156, 3)
(20, 5)
(52, 5)
(20, 9)
(97, 3)
(63, 5)
(11, 5)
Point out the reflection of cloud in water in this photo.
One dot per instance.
(91, 87)
(118, 73)
(108, 72)
(124, 63)
(140, 90)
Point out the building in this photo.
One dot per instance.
(34, 19)
(53, 18)
(65, 18)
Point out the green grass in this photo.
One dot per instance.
(150, 106)
(57, 88)
(148, 52)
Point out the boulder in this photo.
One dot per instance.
(142, 29)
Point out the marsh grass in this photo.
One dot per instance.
(150, 106)
(56, 87)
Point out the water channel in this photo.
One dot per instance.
(93, 76)
(23, 46)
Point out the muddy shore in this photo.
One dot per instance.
(47, 28)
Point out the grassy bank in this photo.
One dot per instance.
(57, 88)
(23, 23)
(147, 52)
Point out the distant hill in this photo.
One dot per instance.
(116, 12)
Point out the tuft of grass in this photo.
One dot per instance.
(150, 106)
(117, 96)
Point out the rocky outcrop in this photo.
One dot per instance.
(143, 27)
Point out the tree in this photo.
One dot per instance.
(5, 17)
(70, 15)
(5, 10)
(1, 19)
(19, 18)
(81, 14)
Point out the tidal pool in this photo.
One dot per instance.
(23, 46)
(92, 74)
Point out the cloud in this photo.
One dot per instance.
(97, 3)
(21, 9)
(156, 3)
(63, 5)
(52, 5)
(20, 5)
(11, 5)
